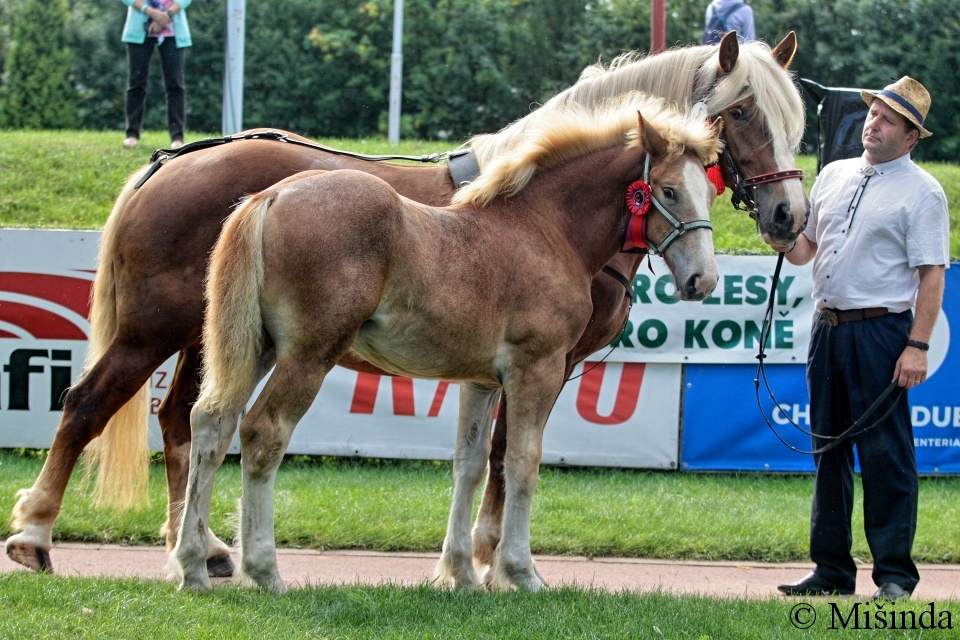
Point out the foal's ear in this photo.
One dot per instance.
(785, 50)
(729, 52)
(650, 138)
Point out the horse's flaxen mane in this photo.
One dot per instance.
(683, 77)
(570, 131)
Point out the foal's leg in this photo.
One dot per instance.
(264, 435)
(88, 406)
(174, 416)
(212, 433)
(533, 391)
(455, 568)
(486, 530)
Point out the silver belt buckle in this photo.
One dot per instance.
(829, 317)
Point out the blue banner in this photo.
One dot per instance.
(724, 431)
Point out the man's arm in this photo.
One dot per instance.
(911, 368)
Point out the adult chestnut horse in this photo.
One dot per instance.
(148, 303)
(326, 263)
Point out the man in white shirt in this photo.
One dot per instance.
(878, 236)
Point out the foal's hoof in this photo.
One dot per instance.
(220, 566)
(29, 555)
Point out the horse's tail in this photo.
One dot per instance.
(120, 454)
(233, 327)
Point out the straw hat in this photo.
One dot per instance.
(907, 97)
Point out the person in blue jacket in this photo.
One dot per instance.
(728, 15)
(156, 24)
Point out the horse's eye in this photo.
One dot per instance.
(669, 193)
(736, 113)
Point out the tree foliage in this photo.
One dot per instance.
(37, 90)
(322, 67)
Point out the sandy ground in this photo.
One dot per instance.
(303, 567)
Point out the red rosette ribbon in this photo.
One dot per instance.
(639, 200)
(715, 175)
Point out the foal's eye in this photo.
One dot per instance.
(736, 113)
(669, 193)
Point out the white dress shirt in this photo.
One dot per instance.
(874, 225)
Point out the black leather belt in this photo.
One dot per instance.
(835, 317)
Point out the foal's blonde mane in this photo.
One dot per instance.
(683, 77)
(571, 131)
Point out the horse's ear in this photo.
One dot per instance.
(785, 50)
(650, 138)
(729, 52)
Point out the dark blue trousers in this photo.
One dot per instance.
(848, 366)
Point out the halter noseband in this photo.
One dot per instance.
(640, 201)
(744, 189)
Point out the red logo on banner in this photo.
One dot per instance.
(35, 319)
(628, 393)
(365, 395)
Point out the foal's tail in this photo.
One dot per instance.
(233, 327)
(120, 454)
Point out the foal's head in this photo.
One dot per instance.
(680, 186)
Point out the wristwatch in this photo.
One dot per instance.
(916, 344)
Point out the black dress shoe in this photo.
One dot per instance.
(814, 585)
(891, 591)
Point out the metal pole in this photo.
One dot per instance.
(233, 68)
(658, 26)
(396, 73)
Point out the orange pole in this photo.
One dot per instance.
(658, 25)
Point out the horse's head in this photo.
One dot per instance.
(763, 122)
(676, 219)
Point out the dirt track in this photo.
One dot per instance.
(301, 567)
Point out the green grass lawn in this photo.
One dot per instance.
(38, 606)
(331, 503)
(68, 179)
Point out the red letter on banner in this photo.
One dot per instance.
(628, 393)
(368, 384)
(365, 393)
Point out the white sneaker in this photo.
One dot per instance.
(130, 142)
(176, 144)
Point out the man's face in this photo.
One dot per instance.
(886, 134)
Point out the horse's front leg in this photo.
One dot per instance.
(532, 390)
(455, 568)
(486, 529)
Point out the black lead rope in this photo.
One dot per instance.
(854, 430)
(162, 156)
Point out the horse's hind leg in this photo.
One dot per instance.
(455, 568)
(264, 435)
(88, 406)
(212, 433)
(174, 417)
(486, 530)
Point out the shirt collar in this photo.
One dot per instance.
(887, 167)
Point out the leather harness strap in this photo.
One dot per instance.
(775, 176)
(463, 167)
(619, 277)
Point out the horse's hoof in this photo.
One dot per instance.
(220, 566)
(30, 555)
(196, 585)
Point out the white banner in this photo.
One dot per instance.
(725, 327)
(616, 415)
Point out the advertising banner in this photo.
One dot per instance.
(616, 415)
(723, 429)
(725, 327)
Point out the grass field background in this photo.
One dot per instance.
(336, 503)
(57, 607)
(68, 180)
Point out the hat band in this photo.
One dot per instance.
(903, 103)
